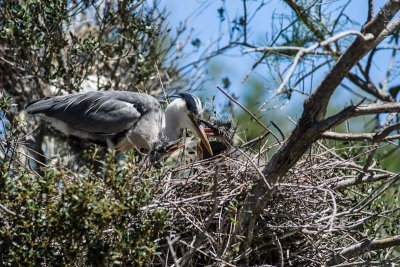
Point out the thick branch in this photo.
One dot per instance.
(364, 247)
(319, 101)
(308, 129)
(389, 29)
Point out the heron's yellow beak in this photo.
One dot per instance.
(200, 133)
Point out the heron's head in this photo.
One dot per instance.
(186, 110)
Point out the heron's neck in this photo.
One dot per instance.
(175, 119)
(171, 127)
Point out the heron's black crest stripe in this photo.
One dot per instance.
(190, 102)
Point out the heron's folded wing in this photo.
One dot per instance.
(94, 112)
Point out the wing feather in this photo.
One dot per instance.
(108, 112)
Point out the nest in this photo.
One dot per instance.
(309, 219)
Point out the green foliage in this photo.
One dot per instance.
(62, 42)
(92, 218)
(114, 210)
(95, 214)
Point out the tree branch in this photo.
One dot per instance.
(339, 184)
(392, 27)
(308, 50)
(369, 88)
(370, 10)
(364, 247)
(308, 128)
(306, 19)
(356, 137)
(355, 111)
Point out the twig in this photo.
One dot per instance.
(303, 51)
(278, 244)
(171, 248)
(10, 212)
(247, 111)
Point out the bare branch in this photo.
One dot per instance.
(348, 136)
(306, 19)
(244, 21)
(312, 48)
(356, 137)
(369, 88)
(282, 48)
(356, 181)
(308, 128)
(389, 29)
(364, 247)
(370, 10)
(248, 112)
(9, 212)
(360, 110)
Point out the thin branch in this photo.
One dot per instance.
(9, 212)
(244, 21)
(370, 10)
(339, 184)
(355, 111)
(282, 48)
(382, 263)
(278, 244)
(171, 248)
(306, 19)
(309, 128)
(303, 51)
(247, 111)
(369, 88)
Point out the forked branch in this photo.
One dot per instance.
(309, 128)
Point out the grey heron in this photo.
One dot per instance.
(122, 119)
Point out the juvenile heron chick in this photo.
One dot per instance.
(122, 119)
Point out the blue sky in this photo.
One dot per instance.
(205, 27)
(203, 18)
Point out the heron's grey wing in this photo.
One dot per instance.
(95, 112)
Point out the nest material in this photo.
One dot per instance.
(304, 224)
(308, 219)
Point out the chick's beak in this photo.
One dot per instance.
(200, 133)
(173, 147)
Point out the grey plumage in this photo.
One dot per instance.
(106, 112)
(121, 119)
(100, 116)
